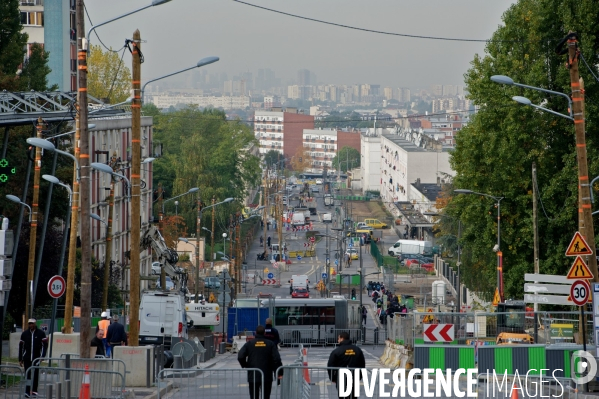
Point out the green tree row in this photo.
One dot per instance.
(495, 151)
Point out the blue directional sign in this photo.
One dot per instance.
(351, 243)
(336, 262)
(299, 257)
(324, 275)
(270, 275)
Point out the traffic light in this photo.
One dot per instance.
(353, 294)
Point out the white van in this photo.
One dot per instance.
(411, 247)
(299, 219)
(299, 281)
(162, 316)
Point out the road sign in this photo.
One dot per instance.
(579, 292)
(211, 298)
(312, 239)
(299, 257)
(578, 246)
(561, 331)
(266, 270)
(438, 333)
(270, 275)
(336, 262)
(579, 270)
(496, 297)
(548, 288)
(324, 276)
(56, 286)
(547, 299)
(269, 281)
(350, 243)
(547, 278)
(275, 265)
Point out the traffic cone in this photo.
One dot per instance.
(305, 364)
(84, 393)
(515, 391)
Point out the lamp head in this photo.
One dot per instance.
(462, 191)
(148, 160)
(193, 190)
(183, 239)
(522, 100)
(41, 143)
(13, 198)
(206, 61)
(159, 2)
(101, 167)
(96, 217)
(51, 179)
(224, 235)
(502, 79)
(91, 126)
(203, 228)
(228, 200)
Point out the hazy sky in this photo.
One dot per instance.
(181, 32)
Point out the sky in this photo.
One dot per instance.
(179, 33)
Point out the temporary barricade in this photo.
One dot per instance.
(13, 382)
(443, 357)
(103, 384)
(318, 336)
(210, 383)
(511, 358)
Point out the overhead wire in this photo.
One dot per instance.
(410, 36)
(96, 33)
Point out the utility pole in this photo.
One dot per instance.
(585, 217)
(135, 191)
(198, 230)
(160, 215)
(265, 218)
(535, 225)
(86, 264)
(237, 253)
(108, 249)
(212, 231)
(33, 226)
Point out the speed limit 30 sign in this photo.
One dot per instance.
(579, 292)
(56, 286)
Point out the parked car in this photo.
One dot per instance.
(156, 268)
(212, 282)
(352, 252)
(318, 181)
(300, 293)
(315, 189)
(375, 223)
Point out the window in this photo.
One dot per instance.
(32, 18)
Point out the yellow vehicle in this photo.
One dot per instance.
(506, 338)
(375, 223)
(360, 233)
(353, 253)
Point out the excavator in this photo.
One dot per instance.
(203, 315)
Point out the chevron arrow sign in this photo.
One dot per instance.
(438, 333)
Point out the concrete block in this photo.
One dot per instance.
(64, 343)
(14, 344)
(139, 361)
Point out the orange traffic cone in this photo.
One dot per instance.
(515, 391)
(84, 393)
(305, 364)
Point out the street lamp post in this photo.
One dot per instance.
(212, 240)
(497, 247)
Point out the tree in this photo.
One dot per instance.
(35, 71)
(348, 157)
(301, 160)
(12, 42)
(273, 157)
(108, 78)
(494, 152)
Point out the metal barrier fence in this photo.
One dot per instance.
(319, 337)
(12, 382)
(217, 383)
(103, 384)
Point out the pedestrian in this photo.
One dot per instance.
(97, 342)
(268, 241)
(364, 313)
(32, 346)
(260, 353)
(261, 241)
(272, 333)
(103, 325)
(346, 355)
(116, 334)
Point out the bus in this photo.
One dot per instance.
(314, 321)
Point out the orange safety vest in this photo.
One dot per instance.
(103, 325)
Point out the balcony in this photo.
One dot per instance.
(30, 3)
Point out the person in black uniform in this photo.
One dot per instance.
(116, 335)
(33, 345)
(345, 355)
(260, 353)
(272, 333)
(98, 343)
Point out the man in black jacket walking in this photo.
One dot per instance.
(272, 333)
(345, 355)
(260, 353)
(33, 345)
(116, 335)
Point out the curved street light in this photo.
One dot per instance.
(102, 167)
(17, 200)
(47, 145)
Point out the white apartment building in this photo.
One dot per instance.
(321, 145)
(112, 138)
(164, 101)
(406, 158)
(268, 128)
(370, 143)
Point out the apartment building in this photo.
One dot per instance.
(110, 141)
(323, 144)
(164, 101)
(51, 23)
(281, 130)
(370, 153)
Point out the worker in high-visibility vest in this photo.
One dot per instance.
(103, 324)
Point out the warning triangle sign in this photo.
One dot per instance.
(578, 246)
(579, 270)
(496, 297)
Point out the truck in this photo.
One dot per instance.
(298, 219)
(170, 307)
(299, 281)
(327, 218)
(411, 247)
(328, 200)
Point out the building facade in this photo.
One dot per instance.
(281, 130)
(165, 101)
(370, 153)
